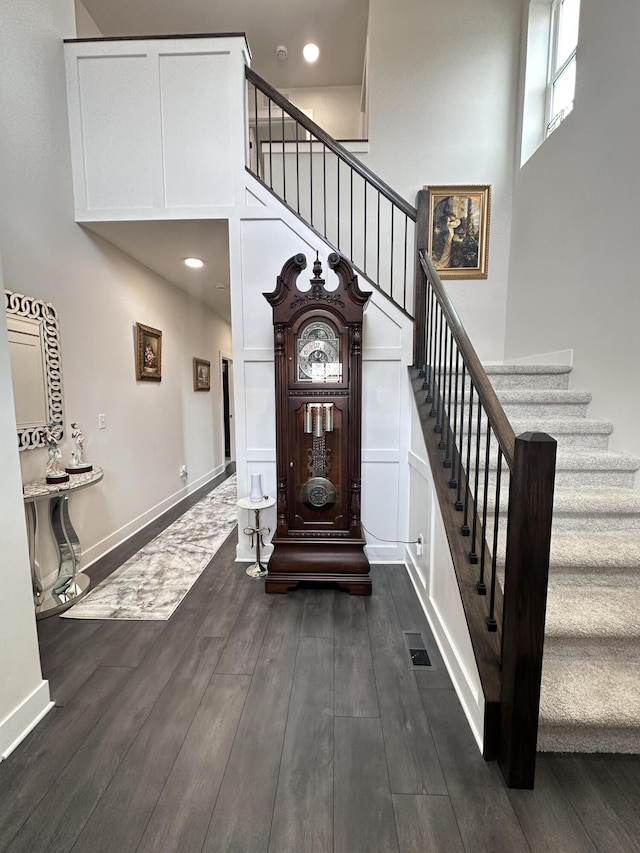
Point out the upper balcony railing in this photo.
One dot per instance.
(332, 191)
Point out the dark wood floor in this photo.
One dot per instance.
(282, 724)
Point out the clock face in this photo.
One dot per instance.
(318, 353)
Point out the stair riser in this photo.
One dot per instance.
(583, 521)
(530, 381)
(586, 479)
(573, 440)
(595, 522)
(530, 411)
(580, 576)
(545, 410)
(610, 649)
(583, 441)
(565, 739)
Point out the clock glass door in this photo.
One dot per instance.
(318, 476)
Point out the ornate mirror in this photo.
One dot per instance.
(34, 352)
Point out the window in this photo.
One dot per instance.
(565, 16)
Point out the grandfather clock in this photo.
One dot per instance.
(318, 370)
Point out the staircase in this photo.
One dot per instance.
(590, 699)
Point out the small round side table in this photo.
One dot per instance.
(257, 570)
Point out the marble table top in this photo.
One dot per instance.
(37, 489)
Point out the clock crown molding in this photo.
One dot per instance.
(288, 298)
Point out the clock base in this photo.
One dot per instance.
(341, 563)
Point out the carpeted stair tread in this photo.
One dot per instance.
(586, 705)
(593, 611)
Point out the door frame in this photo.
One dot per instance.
(228, 358)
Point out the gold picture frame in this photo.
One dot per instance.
(458, 237)
(201, 374)
(148, 353)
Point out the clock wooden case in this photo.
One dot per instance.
(318, 376)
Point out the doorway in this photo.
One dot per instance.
(226, 367)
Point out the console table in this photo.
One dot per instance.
(70, 584)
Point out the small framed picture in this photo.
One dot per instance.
(458, 238)
(201, 374)
(148, 353)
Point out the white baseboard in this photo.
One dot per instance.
(104, 546)
(24, 718)
(379, 553)
(470, 698)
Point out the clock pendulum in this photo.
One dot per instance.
(318, 378)
(319, 491)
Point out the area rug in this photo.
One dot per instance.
(152, 583)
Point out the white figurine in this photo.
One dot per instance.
(78, 465)
(78, 437)
(54, 468)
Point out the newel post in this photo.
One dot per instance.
(525, 599)
(420, 288)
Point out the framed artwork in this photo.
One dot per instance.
(148, 353)
(201, 374)
(458, 241)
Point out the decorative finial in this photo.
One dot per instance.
(317, 266)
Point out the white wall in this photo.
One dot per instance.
(86, 27)
(140, 142)
(24, 696)
(152, 428)
(574, 265)
(442, 85)
(262, 238)
(335, 108)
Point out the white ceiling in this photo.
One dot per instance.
(338, 27)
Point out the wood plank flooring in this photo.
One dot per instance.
(250, 723)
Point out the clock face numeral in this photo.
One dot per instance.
(318, 353)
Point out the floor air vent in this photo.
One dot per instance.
(419, 657)
(417, 651)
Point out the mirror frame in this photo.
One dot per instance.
(19, 305)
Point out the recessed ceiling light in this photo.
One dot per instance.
(194, 263)
(311, 52)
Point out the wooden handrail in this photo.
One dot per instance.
(339, 150)
(499, 422)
